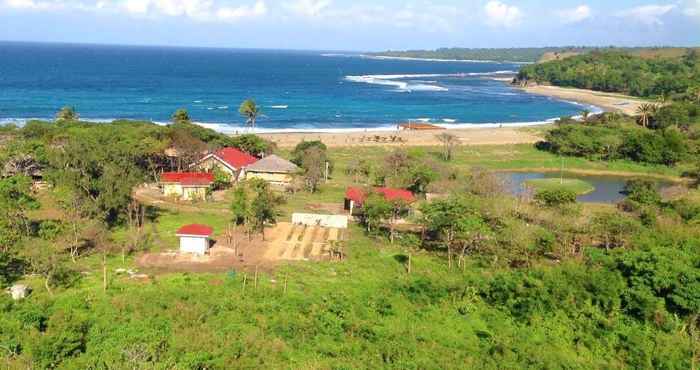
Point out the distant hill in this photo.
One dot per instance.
(527, 55)
(664, 72)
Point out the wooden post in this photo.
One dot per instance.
(104, 272)
(409, 263)
(255, 282)
(245, 279)
(285, 283)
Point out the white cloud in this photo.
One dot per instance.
(649, 15)
(244, 11)
(499, 14)
(309, 8)
(692, 8)
(575, 15)
(200, 10)
(31, 4)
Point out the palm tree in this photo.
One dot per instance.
(67, 114)
(250, 111)
(181, 116)
(584, 114)
(645, 112)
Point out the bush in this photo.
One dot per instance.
(642, 192)
(555, 198)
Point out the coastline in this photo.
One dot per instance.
(481, 134)
(466, 136)
(609, 102)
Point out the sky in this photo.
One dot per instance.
(360, 25)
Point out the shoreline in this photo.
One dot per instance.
(465, 136)
(609, 102)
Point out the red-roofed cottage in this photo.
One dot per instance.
(229, 160)
(355, 196)
(194, 238)
(186, 185)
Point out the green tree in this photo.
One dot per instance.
(263, 208)
(67, 114)
(313, 165)
(375, 209)
(556, 197)
(457, 223)
(642, 192)
(240, 206)
(645, 112)
(250, 111)
(15, 201)
(222, 180)
(312, 157)
(253, 144)
(181, 116)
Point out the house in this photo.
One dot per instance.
(273, 169)
(355, 196)
(230, 160)
(186, 185)
(194, 238)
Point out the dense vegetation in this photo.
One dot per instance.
(672, 136)
(476, 279)
(528, 55)
(677, 78)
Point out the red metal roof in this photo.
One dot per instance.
(358, 195)
(195, 229)
(188, 178)
(235, 158)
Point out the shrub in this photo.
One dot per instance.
(642, 192)
(555, 198)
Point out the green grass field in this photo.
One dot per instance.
(577, 186)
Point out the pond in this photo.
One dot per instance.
(608, 189)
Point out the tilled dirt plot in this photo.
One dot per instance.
(284, 242)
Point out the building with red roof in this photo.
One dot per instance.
(194, 238)
(186, 185)
(230, 160)
(356, 196)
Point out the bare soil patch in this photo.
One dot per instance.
(283, 242)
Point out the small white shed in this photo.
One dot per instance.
(195, 238)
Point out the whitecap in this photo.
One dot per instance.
(222, 107)
(279, 106)
(396, 81)
(449, 120)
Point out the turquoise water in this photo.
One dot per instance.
(297, 89)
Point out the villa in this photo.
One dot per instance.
(273, 169)
(186, 185)
(230, 160)
(356, 196)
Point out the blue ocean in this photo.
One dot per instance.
(298, 90)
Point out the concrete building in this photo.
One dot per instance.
(273, 169)
(186, 185)
(195, 239)
(230, 160)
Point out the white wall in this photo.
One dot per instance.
(195, 245)
(310, 219)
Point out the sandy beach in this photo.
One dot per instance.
(607, 101)
(466, 136)
(476, 135)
